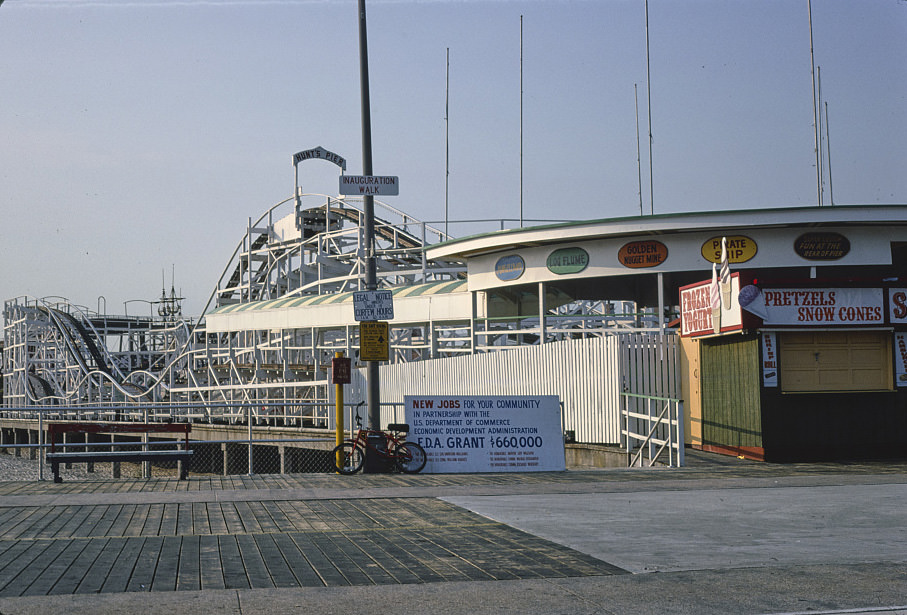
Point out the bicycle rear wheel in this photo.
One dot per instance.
(351, 458)
(410, 457)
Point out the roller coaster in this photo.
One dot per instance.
(280, 310)
(62, 354)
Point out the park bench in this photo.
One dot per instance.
(55, 458)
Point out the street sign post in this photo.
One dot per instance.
(373, 305)
(369, 185)
(374, 341)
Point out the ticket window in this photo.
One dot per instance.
(830, 361)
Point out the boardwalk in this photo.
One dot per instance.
(224, 543)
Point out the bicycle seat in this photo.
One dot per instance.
(401, 427)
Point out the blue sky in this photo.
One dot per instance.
(142, 135)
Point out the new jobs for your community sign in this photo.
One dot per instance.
(482, 433)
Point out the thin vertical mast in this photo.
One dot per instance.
(831, 191)
(812, 74)
(649, 95)
(447, 151)
(521, 121)
(638, 157)
(821, 155)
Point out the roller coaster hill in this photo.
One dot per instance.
(281, 309)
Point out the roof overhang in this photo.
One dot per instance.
(663, 224)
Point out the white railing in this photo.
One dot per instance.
(653, 426)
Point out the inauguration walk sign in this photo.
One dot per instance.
(487, 433)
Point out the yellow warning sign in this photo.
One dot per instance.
(374, 341)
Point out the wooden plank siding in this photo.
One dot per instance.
(731, 408)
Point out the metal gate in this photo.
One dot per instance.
(651, 404)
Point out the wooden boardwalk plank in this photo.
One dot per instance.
(278, 518)
(376, 546)
(298, 515)
(189, 574)
(210, 568)
(389, 556)
(105, 523)
(145, 565)
(124, 520)
(430, 567)
(70, 581)
(263, 517)
(20, 584)
(185, 519)
(14, 559)
(23, 522)
(168, 564)
(324, 566)
(355, 548)
(81, 524)
(247, 518)
(57, 516)
(232, 518)
(274, 561)
(56, 568)
(296, 560)
(200, 522)
(327, 543)
(253, 562)
(232, 563)
(169, 520)
(153, 520)
(120, 572)
(98, 570)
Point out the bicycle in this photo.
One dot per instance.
(407, 457)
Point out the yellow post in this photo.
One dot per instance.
(338, 399)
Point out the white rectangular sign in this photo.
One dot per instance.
(824, 306)
(373, 305)
(487, 433)
(900, 359)
(377, 185)
(697, 317)
(897, 305)
(769, 359)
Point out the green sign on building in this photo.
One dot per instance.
(567, 260)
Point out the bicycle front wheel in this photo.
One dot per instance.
(348, 458)
(410, 457)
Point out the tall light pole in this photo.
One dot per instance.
(373, 391)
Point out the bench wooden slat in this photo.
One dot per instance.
(75, 457)
(56, 459)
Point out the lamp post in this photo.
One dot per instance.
(373, 391)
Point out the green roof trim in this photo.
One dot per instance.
(663, 217)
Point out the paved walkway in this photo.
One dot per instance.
(719, 536)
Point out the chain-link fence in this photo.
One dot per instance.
(209, 457)
(225, 439)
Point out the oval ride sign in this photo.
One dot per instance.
(567, 260)
(740, 249)
(640, 254)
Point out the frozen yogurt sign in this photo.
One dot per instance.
(699, 315)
